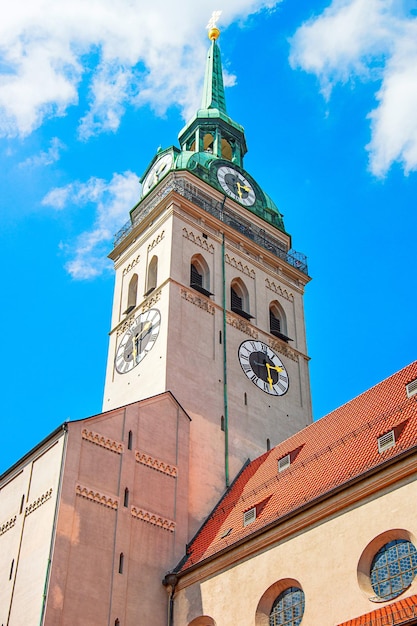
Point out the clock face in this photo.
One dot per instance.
(137, 341)
(236, 185)
(263, 367)
(157, 171)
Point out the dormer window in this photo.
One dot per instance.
(386, 441)
(249, 516)
(411, 388)
(284, 463)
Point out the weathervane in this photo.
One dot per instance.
(212, 25)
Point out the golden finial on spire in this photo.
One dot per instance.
(213, 31)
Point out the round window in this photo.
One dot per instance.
(288, 608)
(393, 569)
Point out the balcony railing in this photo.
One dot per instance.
(221, 212)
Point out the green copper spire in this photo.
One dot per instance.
(211, 130)
(213, 91)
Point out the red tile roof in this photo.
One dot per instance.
(400, 612)
(329, 453)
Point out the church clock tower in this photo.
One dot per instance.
(208, 300)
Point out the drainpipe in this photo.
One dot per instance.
(225, 394)
(170, 582)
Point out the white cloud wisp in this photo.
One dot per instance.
(125, 53)
(112, 199)
(370, 40)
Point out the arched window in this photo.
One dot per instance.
(208, 142)
(200, 275)
(226, 150)
(288, 608)
(277, 322)
(152, 275)
(239, 298)
(121, 562)
(126, 498)
(130, 440)
(132, 294)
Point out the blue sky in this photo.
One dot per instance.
(327, 94)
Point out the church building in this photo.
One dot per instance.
(204, 494)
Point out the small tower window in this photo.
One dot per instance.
(22, 502)
(200, 275)
(132, 294)
(277, 322)
(126, 498)
(152, 275)
(130, 440)
(121, 562)
(11, 570)
(239, 299)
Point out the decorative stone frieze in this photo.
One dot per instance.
(38, 502)
(131, 265)
(156, 464)
(201, 302)
(152, 300)
(95, 496)
(152, 518)
(239, 266)
(278, 290)
(102, 441)
(157, 240)
(283, 348)
(198, 241)
(8, 525)
(238, 322)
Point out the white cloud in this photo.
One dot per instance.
(142, 54)
(370, 40)
(112, 199)
(46, 157)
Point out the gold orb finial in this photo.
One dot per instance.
(213, 31)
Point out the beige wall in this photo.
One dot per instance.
(28, 500)
(323, 560)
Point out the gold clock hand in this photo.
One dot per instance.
(240, 187)
(277, 368)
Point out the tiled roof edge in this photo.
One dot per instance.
(297, 510)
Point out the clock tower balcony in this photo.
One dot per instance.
(219, 209)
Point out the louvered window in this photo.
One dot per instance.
(274, 323)
(411, 388)
(236, 301)
(196, 278)
(386, 441)
(249, 516)
(284, 463)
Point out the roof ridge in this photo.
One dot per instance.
(365, 392)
